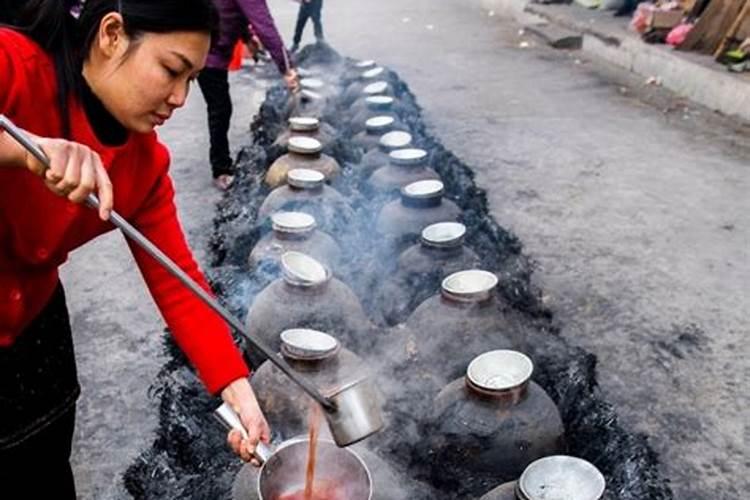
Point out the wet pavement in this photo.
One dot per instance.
(629, 200)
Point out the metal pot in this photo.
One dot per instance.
(283, 472)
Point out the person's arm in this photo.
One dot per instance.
(75, 170)
(259, 17)
(200, 333)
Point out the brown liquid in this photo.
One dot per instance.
(324, 490)
(315, 490)
(311, 454)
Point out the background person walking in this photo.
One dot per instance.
(308, 9)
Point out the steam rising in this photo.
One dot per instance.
(189, 459)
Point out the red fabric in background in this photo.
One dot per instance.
(236, 62)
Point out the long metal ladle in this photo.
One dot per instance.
(352, 411)
(168, 264)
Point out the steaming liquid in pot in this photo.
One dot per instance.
(324, 490)
(321, 489)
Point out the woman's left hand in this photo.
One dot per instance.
(240, 397)
(291, 78)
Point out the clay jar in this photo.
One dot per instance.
(375, 128)
(304, 152)
(376, 158)
(488, 426)
(465, 319)
(306, 126)
(423, 266)
(310, 101)
(355, 70)
(354, 90)
(558, 476)
(307, 192)
(295, 231)
(404, 167)
(374, 106)
(378, 88)
(314, 355)
(420, 205)
(307, 296)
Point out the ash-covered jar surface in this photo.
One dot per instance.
(489, 425)
(465, 319)
(307, 296)
(304, 153)
(421, 204)
(422, 267)
(378, 157)
(404, 167)
(355, 89)
(295, 231)
(555, 477)
(306, 126)
(370, 107)
(375, 128)
(306, 191)
(319, 358)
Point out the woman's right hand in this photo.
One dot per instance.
(75, 172)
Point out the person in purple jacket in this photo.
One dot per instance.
(234, 18)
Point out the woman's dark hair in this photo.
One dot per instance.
(66, 30)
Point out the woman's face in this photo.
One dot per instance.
(142, 82)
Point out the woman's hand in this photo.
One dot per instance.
(241, 398)
(291, 78)
(75, 172)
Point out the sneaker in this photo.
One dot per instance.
(223, 182)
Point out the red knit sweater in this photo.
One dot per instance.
(38, 229)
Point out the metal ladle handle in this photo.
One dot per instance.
(229, 419)
(168, 264)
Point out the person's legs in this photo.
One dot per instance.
(302, 17)
(317, 8)
(37, 407)
(39, 467)
(214, 84)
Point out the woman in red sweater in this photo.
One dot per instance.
(90, 91)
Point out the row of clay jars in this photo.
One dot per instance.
(557, 476)
(307, 296)
(304, 153)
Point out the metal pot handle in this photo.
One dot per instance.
(229, 419)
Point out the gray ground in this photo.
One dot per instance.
(633, 202)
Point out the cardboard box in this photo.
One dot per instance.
(664, 18)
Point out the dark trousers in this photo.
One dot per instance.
(38, 391)
(39, 467)
(214, 84)
(307, 10)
